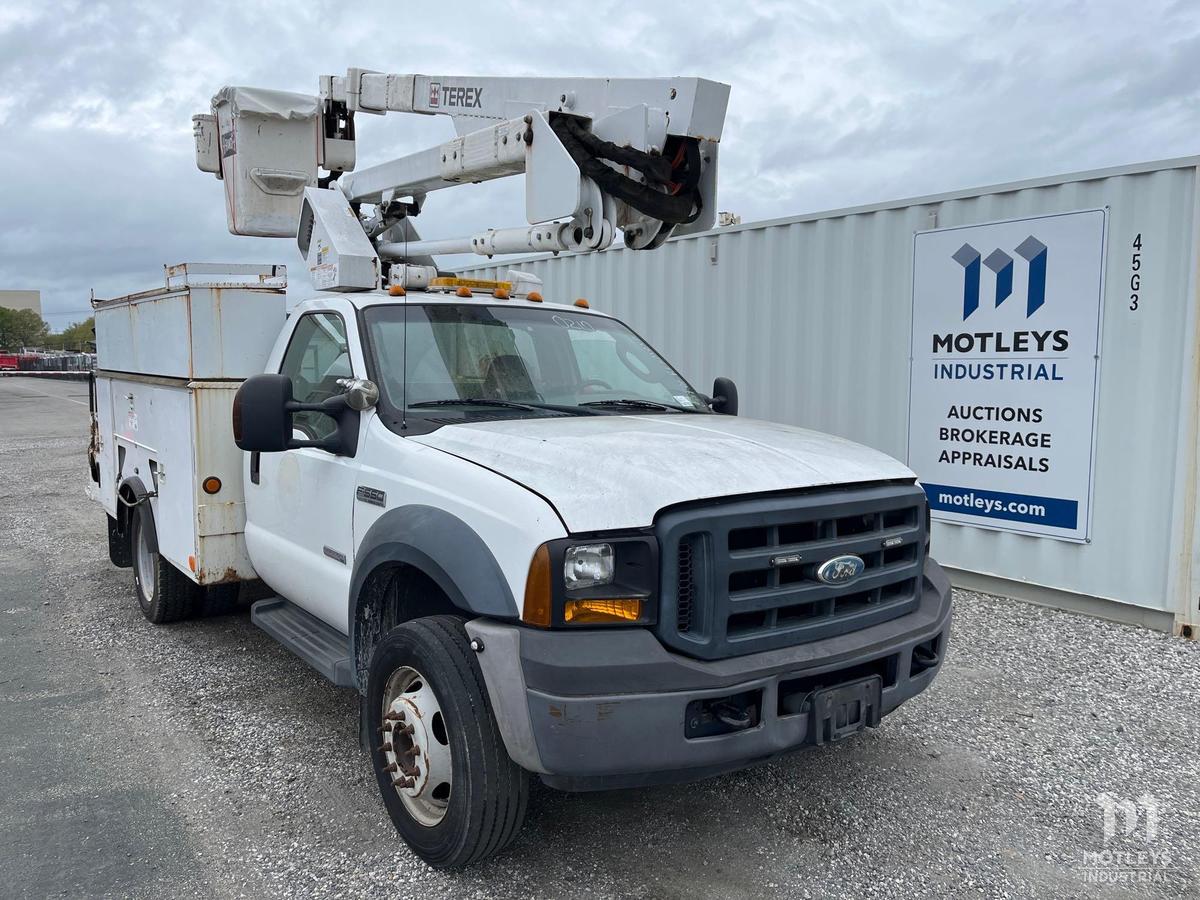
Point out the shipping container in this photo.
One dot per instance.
(813, 318)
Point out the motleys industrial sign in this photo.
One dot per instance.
(1005, 357)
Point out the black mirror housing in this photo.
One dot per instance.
(725, 397)
(262, 417)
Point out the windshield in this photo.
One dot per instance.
(465, 358)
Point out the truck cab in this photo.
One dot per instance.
(649, 590)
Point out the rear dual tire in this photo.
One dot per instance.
(460, 798)
(163, 592)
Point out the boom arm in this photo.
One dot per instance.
(598, 154)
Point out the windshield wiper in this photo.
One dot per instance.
(506, 404)
(630, 403)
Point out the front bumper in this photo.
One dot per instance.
(600, 709)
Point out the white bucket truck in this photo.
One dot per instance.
(523, 538)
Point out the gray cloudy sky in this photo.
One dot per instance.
(833, 104)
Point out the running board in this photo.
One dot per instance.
(325, 649)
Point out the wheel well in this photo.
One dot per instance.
(393, 594)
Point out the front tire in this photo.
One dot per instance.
(163, 592)
(447, 782)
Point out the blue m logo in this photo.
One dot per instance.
(1034, 253)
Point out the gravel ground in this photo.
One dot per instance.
(203, 759)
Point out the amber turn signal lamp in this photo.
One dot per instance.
(583, 304)
(600, 612)
(211, 484)
(537, 590)
(534, 297)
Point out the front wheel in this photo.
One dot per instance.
(448, 784)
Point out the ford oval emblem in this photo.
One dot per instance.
(841, 569)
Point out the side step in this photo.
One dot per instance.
(325, 649)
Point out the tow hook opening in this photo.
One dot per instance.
(723, 715)
(925, 656)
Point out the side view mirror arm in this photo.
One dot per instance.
(264, 406)
(343, 441)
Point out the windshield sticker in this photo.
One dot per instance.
(683, 401)
(577, 324)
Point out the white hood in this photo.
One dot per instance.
(612, 472)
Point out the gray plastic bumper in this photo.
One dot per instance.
(606, 708)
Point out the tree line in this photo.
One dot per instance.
(20, 328)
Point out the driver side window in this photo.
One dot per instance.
(317, 356)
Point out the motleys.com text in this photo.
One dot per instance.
(988, 506)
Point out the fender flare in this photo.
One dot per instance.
(443, 547)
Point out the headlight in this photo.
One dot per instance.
(613, 581)
(588, 565)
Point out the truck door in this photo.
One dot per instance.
(299, 503)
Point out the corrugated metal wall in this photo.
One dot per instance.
(811, 317)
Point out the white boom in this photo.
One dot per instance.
(598, 154)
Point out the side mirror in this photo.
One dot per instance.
(263, 409)
(262, 419)
(725, 397)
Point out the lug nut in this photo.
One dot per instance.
(385, 748)
(403, 783)
(395, 714)
(390, 767)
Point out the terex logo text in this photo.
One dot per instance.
(441, 96)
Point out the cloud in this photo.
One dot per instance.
(832, 104)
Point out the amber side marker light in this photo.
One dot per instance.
(463, 292)
(537, 590)
(534, 297)
(396, 290)
(600, 612)
(500, 293)
(583, 304)
(211, 484)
